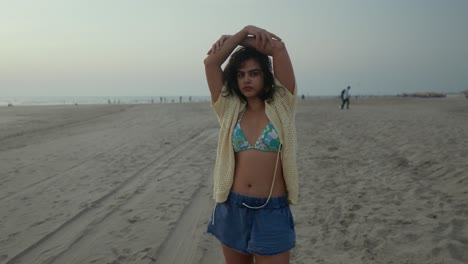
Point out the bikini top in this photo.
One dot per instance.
(268, 140)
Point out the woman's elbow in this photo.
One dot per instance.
(210, 61)
(206, 61)
(279, 46)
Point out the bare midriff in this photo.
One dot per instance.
(254, 172)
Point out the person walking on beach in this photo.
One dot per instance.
(345, 95)
(255, 174)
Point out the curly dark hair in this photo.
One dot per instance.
(230, 73)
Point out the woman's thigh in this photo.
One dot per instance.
(282, 258)
(234, 257)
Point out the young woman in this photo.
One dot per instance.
(255, 176)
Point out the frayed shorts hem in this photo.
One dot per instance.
(266, 231)
(253, 252)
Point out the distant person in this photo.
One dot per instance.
(345, 95)
(255, 177)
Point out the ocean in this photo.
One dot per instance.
(71, 100)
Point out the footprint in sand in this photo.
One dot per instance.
(332, 149)
(134, 219)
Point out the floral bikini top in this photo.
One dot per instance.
(268, 140)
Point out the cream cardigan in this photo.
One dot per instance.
(281, 112)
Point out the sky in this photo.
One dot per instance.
(156, 48)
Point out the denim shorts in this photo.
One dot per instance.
(265, 231)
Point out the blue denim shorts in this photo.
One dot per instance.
(265, 231)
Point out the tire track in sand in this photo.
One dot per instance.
(46, 181)
(56, 243)
(24, 135)
(136, 246)
(183, 243)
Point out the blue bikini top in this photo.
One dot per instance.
(268, 141)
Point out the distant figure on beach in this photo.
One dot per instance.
(302, 97)
(255, 177)
(345, 95)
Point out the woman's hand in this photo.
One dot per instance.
(262, 37)
(268, 49)
(258, 38)
(217, 45)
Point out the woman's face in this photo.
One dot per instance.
(250, 78)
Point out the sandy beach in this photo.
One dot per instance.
(383, 182)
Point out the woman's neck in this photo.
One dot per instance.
(255, 104)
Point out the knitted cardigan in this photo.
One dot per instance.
(281, 112)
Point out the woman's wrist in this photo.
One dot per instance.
(248, 41)
(243, 33)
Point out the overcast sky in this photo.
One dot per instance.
(152, 48)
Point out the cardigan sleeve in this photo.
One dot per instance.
(220, 105)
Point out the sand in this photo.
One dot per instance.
(383, 182)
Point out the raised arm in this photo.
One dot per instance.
(214, 60)
(282, 66)
(221, 50)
